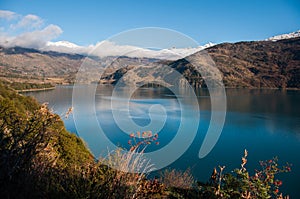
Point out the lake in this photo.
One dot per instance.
(266, 122)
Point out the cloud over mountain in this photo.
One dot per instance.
(110, 48)
(30, 31)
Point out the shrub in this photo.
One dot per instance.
(241, 184)
(179, 179)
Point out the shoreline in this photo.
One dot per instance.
(35, 89)
(250, 88)
(263, 88)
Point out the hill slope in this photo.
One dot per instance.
(32, 65)
(256, 64)
(259, 64)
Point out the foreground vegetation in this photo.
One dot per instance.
(40, 159)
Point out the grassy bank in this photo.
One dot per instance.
(27, 86)
(35, 89)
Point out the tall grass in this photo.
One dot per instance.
(130, 170)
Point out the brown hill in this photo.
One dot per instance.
(255, 64)
(259, 64)
(22, 64)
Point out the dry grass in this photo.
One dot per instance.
(178, 179)
(130, 168)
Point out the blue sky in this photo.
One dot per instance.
(87, 22)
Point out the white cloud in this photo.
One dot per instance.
(35, 39)
(26, 31)
(108, 48)
(29, 22)
(8, 15)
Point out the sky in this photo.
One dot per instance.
(88, 22)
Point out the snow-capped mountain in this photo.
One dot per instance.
(65, 47)
(109, 48)
(284, 36)
(62, 44)
(176, 53)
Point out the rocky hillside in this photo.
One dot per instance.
(259, 64)
(29, 65)
(256, 64)
(19, 64)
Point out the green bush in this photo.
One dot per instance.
(241, 184)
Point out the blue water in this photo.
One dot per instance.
(265, 122)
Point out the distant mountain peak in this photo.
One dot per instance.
(63, 44)
(285, 36)
(109, 48)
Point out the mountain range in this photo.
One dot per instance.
(285, 36)
(273, 63)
